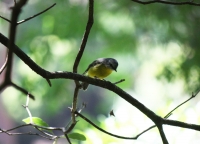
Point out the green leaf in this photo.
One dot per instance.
(77, 136)
(37, 121)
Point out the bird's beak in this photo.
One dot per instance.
(115, 70)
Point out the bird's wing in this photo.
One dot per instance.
(91, 65)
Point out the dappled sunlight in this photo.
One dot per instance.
(159, 95)
(93, 137)
(156, 47)
(48, 24)
(119, 24)
(13, 100)
(61, 47)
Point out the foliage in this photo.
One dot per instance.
(122, 29)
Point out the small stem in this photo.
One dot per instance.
(122, 80)
(27, 109)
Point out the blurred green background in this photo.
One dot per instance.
(157, 47)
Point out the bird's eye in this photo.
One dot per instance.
(112, 66)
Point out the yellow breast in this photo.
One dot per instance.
(100, 71)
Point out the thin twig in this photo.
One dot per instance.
(74, 104)
(17, 127)
(22, 21)
(34, 125)
(122, 80)
(102, 130)
(170, 113)
(193, 96)
(70, 128)
(5, 19)
(67, 138)
(166, 2)
(4, 65)
(47, 134)
(27, 133)
(145, 131)
(27, 109)
(49, 82)
(9, 66)
(82, 107)
(22, 90)
(48, 128)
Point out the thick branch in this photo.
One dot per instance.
(181, 124)
(69, 75)
(104, 84)
(14, 16)
(162, 134)
(23, 57)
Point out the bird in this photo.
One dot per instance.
(100, 68)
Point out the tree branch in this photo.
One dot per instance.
(27, 133)
(27, 60)
(193, 96)
(4, 65)
(22, 90)
(181, 124)
(166, 2)
(170, 113)
(100, 83)
(162, 134)
(159, 121)
(68, 140)
(10, 44)
(102, 130)
(122, 80)
(5, 19)
(79, 55)
(85, 36)
(14, 16)
(22, 21)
